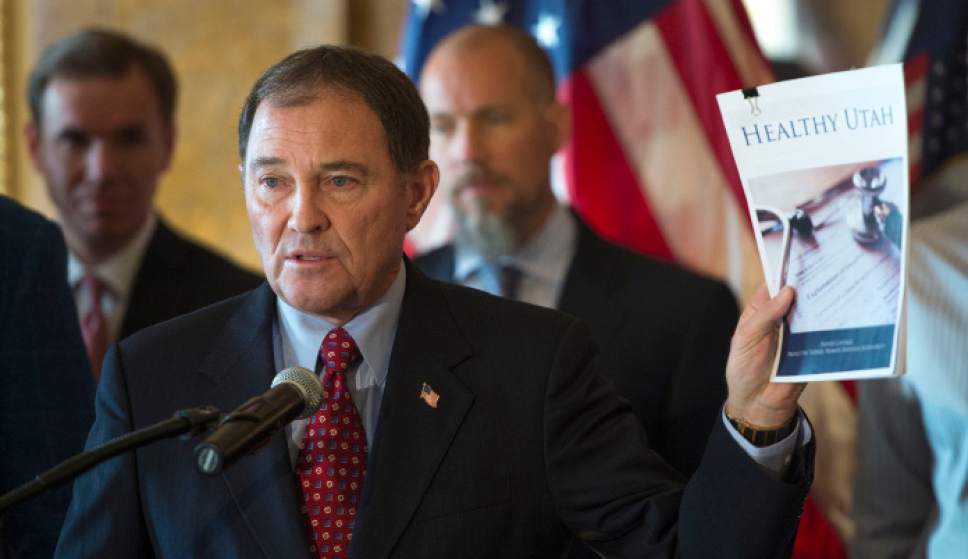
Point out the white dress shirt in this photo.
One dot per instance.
(117, 273)
(297, 336)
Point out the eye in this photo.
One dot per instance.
(442, 126)
(270, 182)
(132, 136)
(341, 181)
(74, 139)
(495, 117)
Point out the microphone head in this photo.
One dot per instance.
(306, 382)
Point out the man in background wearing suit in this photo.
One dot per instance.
(454, 423)
(46, 391)
(102, 133)
(495, 124)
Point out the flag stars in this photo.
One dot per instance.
(546, 30)
(490, 12)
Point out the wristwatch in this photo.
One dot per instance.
(759, 436)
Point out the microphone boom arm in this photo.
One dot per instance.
(189, 422)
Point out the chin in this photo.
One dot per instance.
(110, 227)
(309, 305)
(314, 301)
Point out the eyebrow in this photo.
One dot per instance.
(340, 165)
(478, 112)
(72, 130)
(344, 165)
(265, 162)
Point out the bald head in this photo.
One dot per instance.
(494, 127)
(509, 44)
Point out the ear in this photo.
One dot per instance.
(170, 132)
(559, 119)
(421, 185)
(32, 134)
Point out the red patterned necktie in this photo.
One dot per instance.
(332, 457)
(94, 327)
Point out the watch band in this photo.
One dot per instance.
(760, 437)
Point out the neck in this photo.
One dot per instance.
(529, 228)
(93, 252)
(340, 315)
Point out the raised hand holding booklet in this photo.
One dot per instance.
(823, 162)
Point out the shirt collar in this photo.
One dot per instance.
(119, 270)
(546, 256)
(373, 330)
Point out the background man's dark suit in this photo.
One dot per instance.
(46, 390)
(177, 276)
(527, 438)
(663, 332)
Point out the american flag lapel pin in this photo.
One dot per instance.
(429, 396)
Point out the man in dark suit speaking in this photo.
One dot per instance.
(102, 133)
(454, 424)
(495, 124)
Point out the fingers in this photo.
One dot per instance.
(761, 304)
(763, 312)
(778, 306)
(760, 297)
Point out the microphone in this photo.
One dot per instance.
(295, 394)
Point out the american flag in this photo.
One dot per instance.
(936, 75)
(649, 165)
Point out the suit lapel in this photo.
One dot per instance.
(159, 263)
(590, 284)
(262, 485)
(412, 437)
(440, 263)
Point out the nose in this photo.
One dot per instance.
(466, 145)
(307, 214)
(103, 163)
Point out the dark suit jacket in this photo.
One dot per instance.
(527, 445)
(177, 276)
(664, 334)
(46, 389)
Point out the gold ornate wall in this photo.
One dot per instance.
(218, 49)
(4, 142)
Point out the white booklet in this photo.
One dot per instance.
(824, 165)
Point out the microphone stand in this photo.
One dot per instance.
(188, 422)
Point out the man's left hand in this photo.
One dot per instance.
(752, 398)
